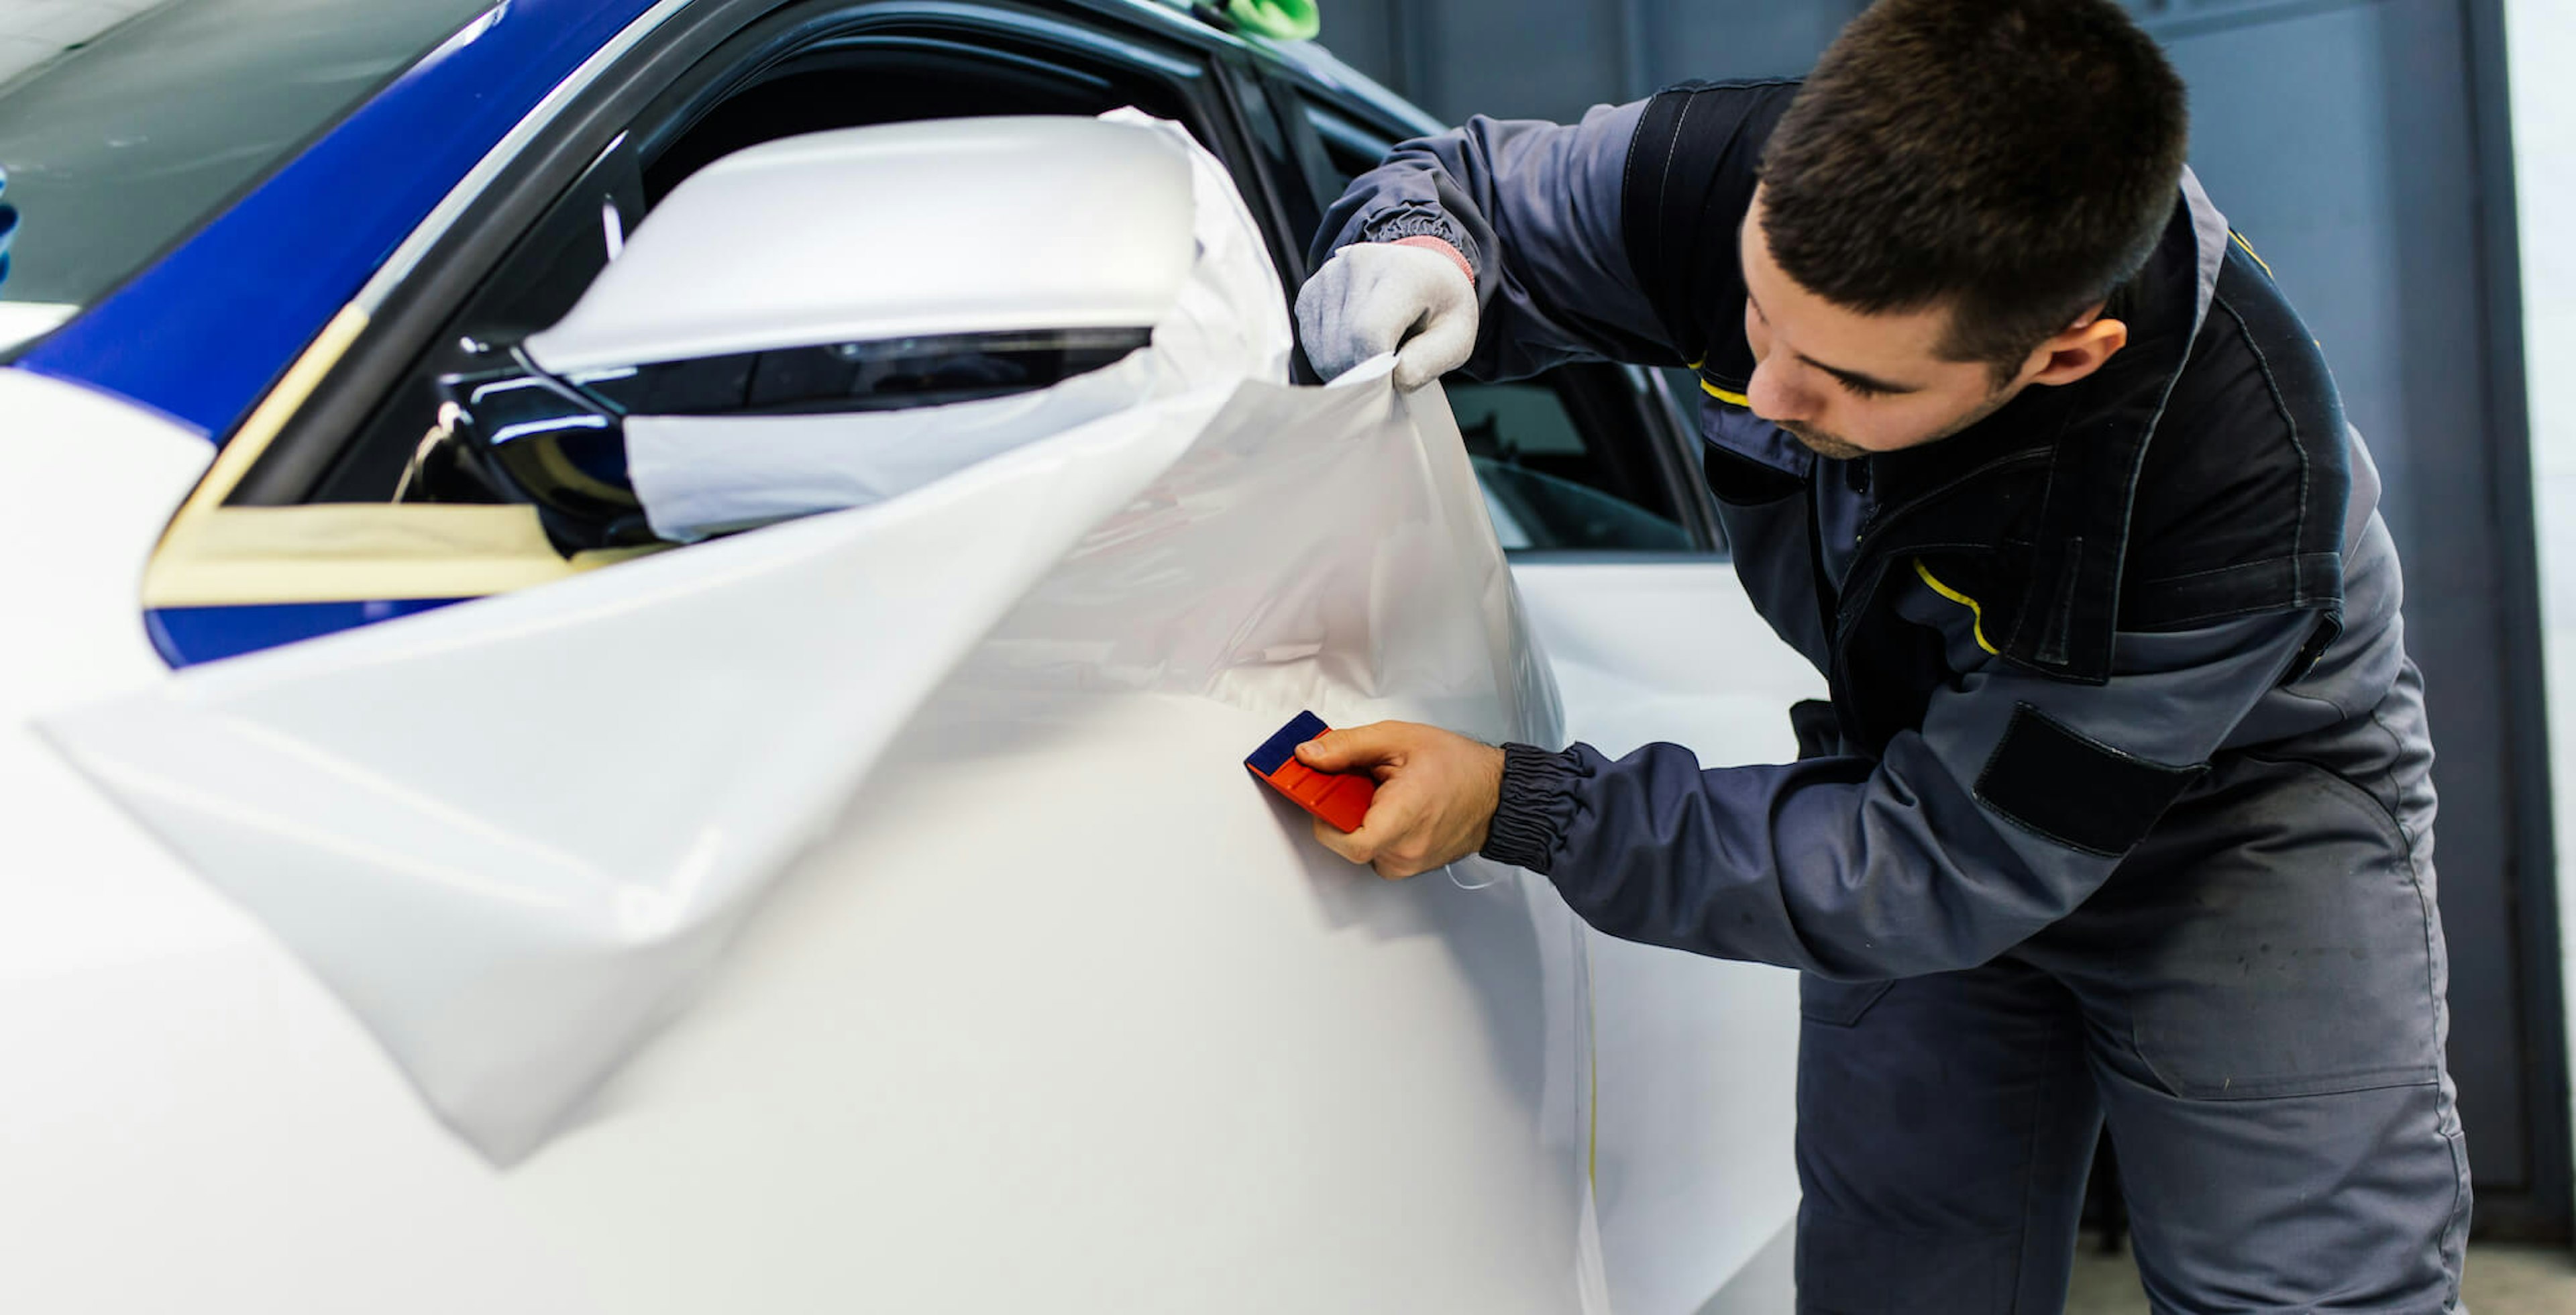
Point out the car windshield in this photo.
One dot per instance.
(130, 125)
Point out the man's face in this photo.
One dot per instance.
(1848, 384)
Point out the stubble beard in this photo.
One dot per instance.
(1823, 444)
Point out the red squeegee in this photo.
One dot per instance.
(1340, 799)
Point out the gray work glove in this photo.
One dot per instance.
(1375, 297)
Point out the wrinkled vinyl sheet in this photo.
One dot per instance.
(519, 839)
(513, 914)
(517, 836)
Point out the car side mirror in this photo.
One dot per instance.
(862, 269)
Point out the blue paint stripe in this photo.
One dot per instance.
(203, 332)
(186, 636)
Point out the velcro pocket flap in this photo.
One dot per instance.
(2075, 790)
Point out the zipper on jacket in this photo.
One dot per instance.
(1828, 598)
(1857, 479)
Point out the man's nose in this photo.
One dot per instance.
(1775, 396)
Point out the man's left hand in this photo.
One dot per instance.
(1436, 794)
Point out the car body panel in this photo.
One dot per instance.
(1696, 1055)
(90, 483)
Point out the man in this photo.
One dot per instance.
(2121, 808)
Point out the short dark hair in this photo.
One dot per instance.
(2015, 159)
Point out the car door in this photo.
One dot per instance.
(1030, 996)
(1592, 483)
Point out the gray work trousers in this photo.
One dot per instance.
(2254, 1005)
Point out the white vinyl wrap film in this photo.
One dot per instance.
(1060, 1008)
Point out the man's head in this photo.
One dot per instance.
(1944, 209)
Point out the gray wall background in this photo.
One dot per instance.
(2363, 147)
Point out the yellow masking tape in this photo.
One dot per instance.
(342, 552)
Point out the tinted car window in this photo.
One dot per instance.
(120, 146)
(1545, 486)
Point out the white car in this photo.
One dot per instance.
(632, 667)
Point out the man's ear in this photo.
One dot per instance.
(2076, 352)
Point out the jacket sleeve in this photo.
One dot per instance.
(2009, 807)
(1535, 208)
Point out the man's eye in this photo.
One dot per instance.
(1859, 389)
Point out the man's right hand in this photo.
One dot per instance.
(1414, 298)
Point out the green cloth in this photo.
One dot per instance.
(1288, 20)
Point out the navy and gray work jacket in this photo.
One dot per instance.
(2038, 633)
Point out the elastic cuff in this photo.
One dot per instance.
(1537, 804)
(1422, 221)
(1441, 245)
